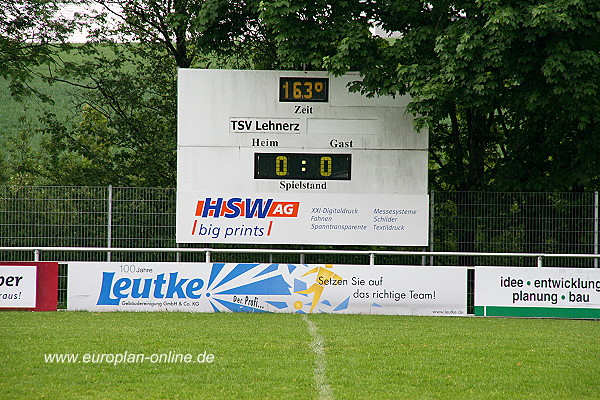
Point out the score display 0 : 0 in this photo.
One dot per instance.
(302, 166)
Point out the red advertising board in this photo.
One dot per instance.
(46, 284)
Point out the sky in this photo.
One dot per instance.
(68, 10)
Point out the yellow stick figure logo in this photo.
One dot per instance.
(323, 275)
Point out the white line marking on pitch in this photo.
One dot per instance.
(318, 347)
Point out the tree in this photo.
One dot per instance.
(30, 34)
(126, 132)
(127, 78)
(509, 90)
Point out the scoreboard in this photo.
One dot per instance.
(289, 157)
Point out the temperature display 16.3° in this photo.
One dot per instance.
(303, 89)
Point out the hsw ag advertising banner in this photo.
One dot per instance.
(303, 218)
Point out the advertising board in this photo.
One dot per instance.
(31, 285)
(18, 286)
(287, 288)
(305, 218)
(537, 292)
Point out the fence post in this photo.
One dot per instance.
(431, 222)
(596, 228)
(109, 222)
(372, 259)
(540, 262)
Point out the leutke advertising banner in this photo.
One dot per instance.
(288, 288)
(537, 292)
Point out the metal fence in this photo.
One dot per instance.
(111, 217)
(129, 220)
(553, 223)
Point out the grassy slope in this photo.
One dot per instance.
(269, 356)
(31, 108)
(11, 111)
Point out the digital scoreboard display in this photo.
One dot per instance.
(302, 166)
(303, 89)
(290, 157)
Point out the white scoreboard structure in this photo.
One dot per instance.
(289, 157)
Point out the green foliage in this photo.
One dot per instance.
(83, 152)
(126, 134)
(509, 90)
(234, 34)
(25, 160)
(30, 34)
(126, 94)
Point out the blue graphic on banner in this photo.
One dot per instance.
(216, 268)
(238, 270)
(343, 305)
(299, 286)
(270, 268)
(278, 304)
(269, 288)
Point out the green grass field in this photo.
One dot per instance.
(273, 356)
